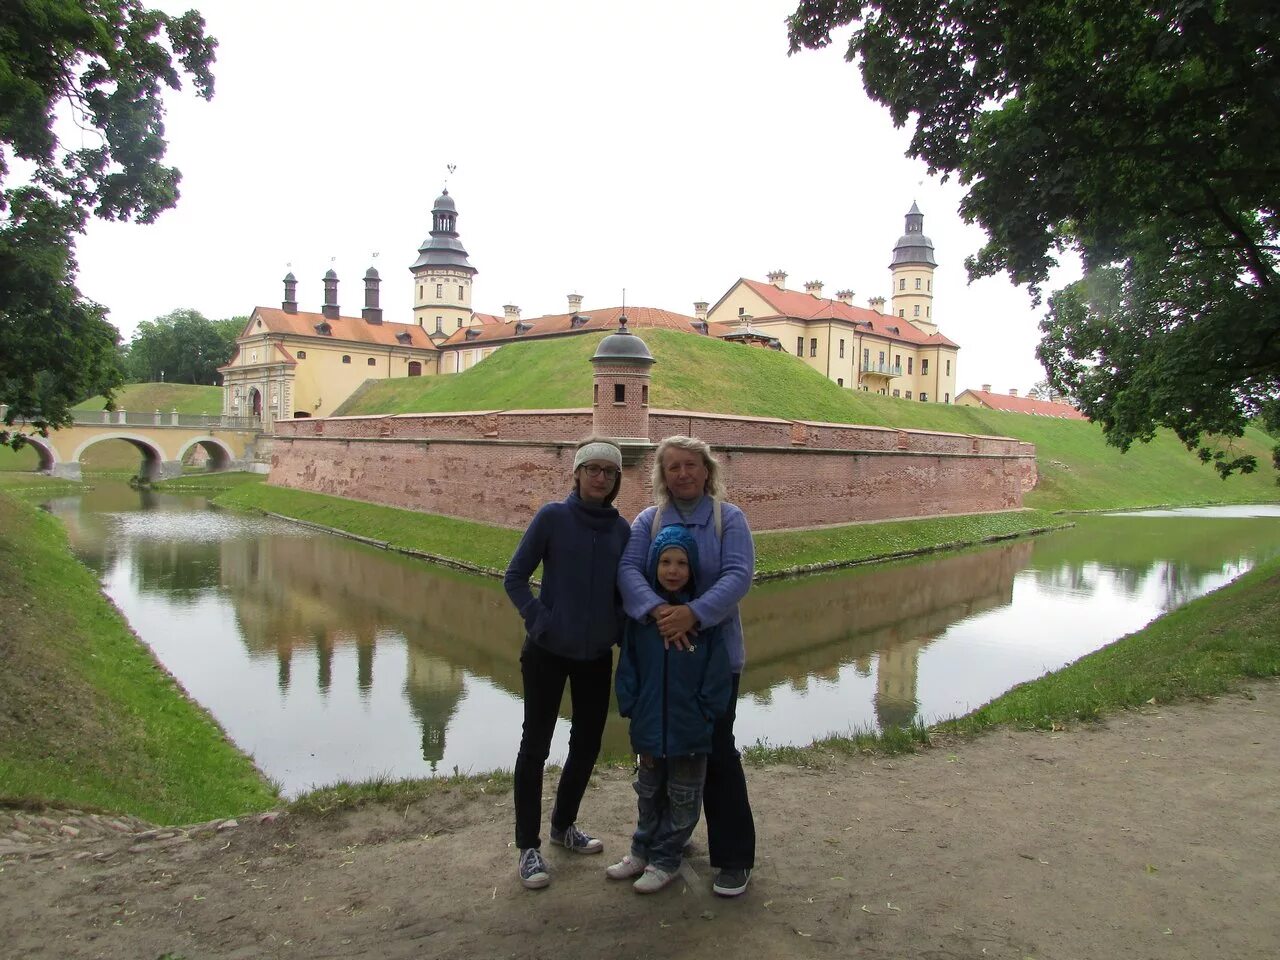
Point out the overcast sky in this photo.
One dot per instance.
(667, 148)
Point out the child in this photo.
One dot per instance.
(673, 698)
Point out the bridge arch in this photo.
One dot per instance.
(220, 455)
(153, 458)
(48, 457)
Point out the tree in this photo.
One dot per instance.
(1044, 390)
(1140, 134)
(101, 66)
(182, 347)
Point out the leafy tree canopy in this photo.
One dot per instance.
(97, 68)
(1140, 133)
(182, 347)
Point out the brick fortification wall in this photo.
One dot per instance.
(499, 466)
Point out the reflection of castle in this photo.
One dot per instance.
(813, 627)
(433, 687)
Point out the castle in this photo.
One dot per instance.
(293, 364)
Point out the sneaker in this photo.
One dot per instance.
(626, 868)
(731, 883)
(533, 869)
(652, 880)
(571, 838)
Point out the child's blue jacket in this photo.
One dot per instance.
(673, 697)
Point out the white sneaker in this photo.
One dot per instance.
(626, 868)
(652, 880)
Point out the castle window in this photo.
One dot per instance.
(924, 398)
(930, 285)
(866, 358)
(419, 291)
(902, 284)
(946, 398)
(917, 310)
(842, 348)
(460, 297)
(908, 394)
(902, 313)
(897, 361)
(897, 393)
(372, 362)
(439, 322)
(924, 367)
(346, 358)
(948, 368)
(813, 346)
(741, 311)
(439, 291)
(910, 361)
(595, 396)
(302, 354)
(415, 368)
(917, 283)
(459, 327)
(839, 381)
(619, 393)
(644, 394)
(928, 311)
(799, 346)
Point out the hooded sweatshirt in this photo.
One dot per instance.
(672, 696)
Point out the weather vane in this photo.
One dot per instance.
(450, 167)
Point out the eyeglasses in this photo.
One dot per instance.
(595, 470)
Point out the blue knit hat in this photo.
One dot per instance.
(678, 536)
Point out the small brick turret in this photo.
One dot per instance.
(620, 405)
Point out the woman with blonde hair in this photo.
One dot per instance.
(688, 491)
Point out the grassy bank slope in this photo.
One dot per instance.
(87, 719)
(489, 548)
(146, 397)
(1078, 470)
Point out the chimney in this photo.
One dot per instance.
(1013, 391)
(876, 304)
(845, 296)
(986, 388)
(575, 304)
(778, 278)
(510, 313)
(290, 302)
(700, 309)
(814, 288)
(330, 308)
(372, 313)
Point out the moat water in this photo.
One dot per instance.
(328, 660)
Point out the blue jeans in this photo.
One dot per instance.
(669, 799)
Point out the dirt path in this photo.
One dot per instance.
(1155, 835)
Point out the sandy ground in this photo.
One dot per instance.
(1154, 835)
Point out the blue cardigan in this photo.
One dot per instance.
(577, 614)
(725, 569)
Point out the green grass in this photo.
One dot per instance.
(146, 397)
(1209, 646)
(210, 482)
(1078, 471)
(89, 720)
(800, 550)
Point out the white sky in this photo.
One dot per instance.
(667, 148)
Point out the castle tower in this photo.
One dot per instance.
(442, 275)
(620, 404)
(912, 271)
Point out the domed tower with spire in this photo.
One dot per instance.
(442, 275)
(912, 271)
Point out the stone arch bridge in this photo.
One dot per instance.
(162, 439)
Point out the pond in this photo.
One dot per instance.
(328, 660)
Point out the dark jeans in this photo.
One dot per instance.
(544, 675)
(731, 831)
(669, 795)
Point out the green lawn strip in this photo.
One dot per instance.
(210, 482)
(36, 483)
(802, 551)
(1209, 646)
(90, 721)
(165, 397)
(478, 545)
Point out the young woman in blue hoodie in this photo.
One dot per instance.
(674, 696)
(571, 627)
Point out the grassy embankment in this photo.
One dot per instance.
(89, 721)
(119, 457)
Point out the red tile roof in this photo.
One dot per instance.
(606, 318)
(350, 329)
(1040, 408)
(805, 306)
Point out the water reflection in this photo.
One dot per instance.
(327, 659)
